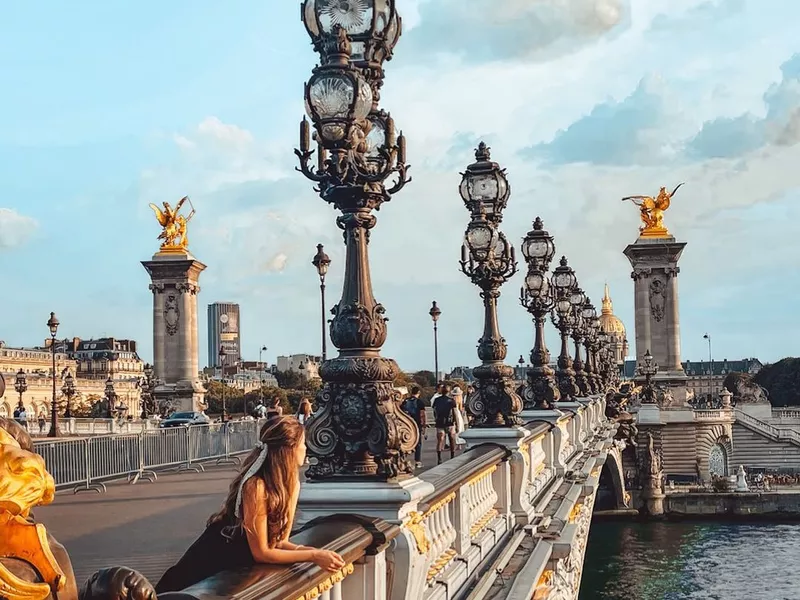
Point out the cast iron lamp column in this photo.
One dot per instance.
(537, 296)
(435, 312)
(68, 390)
(648, 369)
(322, 261)
(564, 282)
(111, 396)
(577, 299)
(262, 368)
(589, 318)
(489, 261)
(52, 324)
(147, 386)
(21, 386)
(222, 355)
(358, 430)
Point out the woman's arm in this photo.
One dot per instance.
(254, 508)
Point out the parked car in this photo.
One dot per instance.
(185, 419)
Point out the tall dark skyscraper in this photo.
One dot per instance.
(223, 331)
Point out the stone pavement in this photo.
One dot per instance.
(146, 526)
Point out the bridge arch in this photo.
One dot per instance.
(611, 494)
(714, 452)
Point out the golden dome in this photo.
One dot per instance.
(609, 323)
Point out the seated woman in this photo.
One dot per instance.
(255, 521)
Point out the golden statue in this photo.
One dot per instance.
(652, 212)
(33, 566)
(174, 224)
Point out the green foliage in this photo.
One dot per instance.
(721, 484)
(289, 379)
(424, 379)
(234, 398)
(403, 379)
(782, 381)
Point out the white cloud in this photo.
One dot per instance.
(15, 229)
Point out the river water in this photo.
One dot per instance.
(692, 561)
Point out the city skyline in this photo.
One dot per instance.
(625, 109)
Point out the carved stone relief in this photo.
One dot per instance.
(172, 314)
(657, 299)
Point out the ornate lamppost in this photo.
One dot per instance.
(648, 369)
(359, 430)
(147, 386)
(489, 260)
(21, 385)
(577, 299)
(565, 283)
(111, 396)
(435, 312)
(52, 324)
(69, 391)
(322, 261)
(590, 327)
(537, 296)
(262, 368)
(222, 354)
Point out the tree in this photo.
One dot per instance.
(403, 379)
(234, 398)
(289, 379)
(782, 381)
(267, 392)
(424, 379)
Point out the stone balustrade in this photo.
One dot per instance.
(524, 492)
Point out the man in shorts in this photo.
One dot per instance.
(444, 412)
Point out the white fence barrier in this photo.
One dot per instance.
(86, 463)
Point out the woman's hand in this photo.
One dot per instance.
(330, 561)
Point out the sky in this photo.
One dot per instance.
(108, 106)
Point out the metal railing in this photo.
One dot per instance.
(767, 429)
(87, 463)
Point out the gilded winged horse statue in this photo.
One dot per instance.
(652, 212)
(173, 224)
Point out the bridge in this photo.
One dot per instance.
(519, 501)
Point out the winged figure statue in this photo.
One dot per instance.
(652, 210)
(173, 224)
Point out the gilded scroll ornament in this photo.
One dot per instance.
(651, 211)
(173, 225)
(417, 528)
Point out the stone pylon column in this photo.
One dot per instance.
(655, 277)
(174, 282)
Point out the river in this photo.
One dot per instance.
(692, 561)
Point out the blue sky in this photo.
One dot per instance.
(109, 106)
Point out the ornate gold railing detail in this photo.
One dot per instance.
(596, 471)
(328, 584)
(439, 504)
(539, 468)
(543, 586)
(525, 449)
(481, 475)
(440, 563)
(576, 510)
(483, 522)
(417, 528)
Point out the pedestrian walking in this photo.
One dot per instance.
(414, 407)
(444, 412)
(461, 422)
(42, 422)
(275, 409)
(23, 417)
(304, 411)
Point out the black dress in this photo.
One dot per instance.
(209, 555)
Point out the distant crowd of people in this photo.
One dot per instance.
(22, 417)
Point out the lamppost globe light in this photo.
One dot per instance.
(52, 324)
(148, 370)
(484, 187)
(577, 297)
(21, 382)
(538, 246)
(564, 279)
(321, 261)
(435, 312)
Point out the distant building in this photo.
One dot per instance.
(306, 365)
(614, 329)
(463, 373)
(224, 332)
(704, 380)
(103, 358)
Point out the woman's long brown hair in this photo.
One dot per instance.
(279, 473)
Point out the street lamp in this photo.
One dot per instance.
(322, 261)
(707, 336)
(488, 259)
(565, 283)
(435, 312)
(262, 368)
(537, 296)
(147, 386)
(52, 324)
(648, 369)
(357, 153)
(591, 326)
(222, 354)
(68, 390)
(21, 385)
(111, 396)
(577, 299)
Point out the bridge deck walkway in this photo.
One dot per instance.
(146, 526)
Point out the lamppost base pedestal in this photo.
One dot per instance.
(551, 415)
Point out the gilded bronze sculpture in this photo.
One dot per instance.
(174, 225)
(651, 211)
